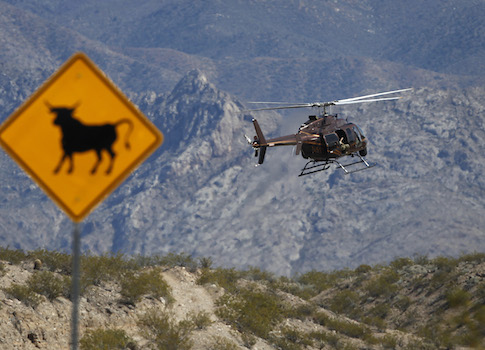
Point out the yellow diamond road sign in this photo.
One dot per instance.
(78, 136)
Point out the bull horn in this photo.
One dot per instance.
(48, 104)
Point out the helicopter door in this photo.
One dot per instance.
(332, 142)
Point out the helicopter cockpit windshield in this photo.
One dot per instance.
(359, 132)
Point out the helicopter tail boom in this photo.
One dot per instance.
(259, 142)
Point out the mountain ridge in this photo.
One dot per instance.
(200, 192)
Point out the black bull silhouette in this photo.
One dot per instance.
(79, 137)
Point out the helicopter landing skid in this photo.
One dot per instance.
(314, 166)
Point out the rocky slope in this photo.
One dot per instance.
(410, 304)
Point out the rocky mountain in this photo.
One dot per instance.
(190, 69)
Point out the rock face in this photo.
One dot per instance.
(200, 193)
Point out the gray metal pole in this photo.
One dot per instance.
(76, 250)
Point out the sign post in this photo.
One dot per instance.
(78, 137)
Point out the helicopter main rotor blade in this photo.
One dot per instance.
(353, 100)
(373, 95)
(306, 105)
(364, 101)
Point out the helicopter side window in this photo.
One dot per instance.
(358, 134)
(350, 135)
(332, 141)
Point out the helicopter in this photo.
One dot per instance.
(323, 138)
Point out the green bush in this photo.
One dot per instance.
(473, 257)
(53, 261)
(181, 260)
(201, 320)
(13, 256)
(292, 287)
(106, 267)
(205, 263)
(320, 281)
(23, 293)
(256, 274)
(388, 342)
(322, 339)
(221, 343)
(251, 310)
(382, 285)
(150, 282)
(102, 339)
(345, 302)
(421, 260)
(49, 284)
(164, 333)
(458, 297)
(445, 264)
(361, 269)
(399, 263)
(224, 278)
(291, 339)
(403, 303)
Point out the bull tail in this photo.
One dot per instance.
(128, 133)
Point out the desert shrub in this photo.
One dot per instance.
(473, 257)
(302, 311)
(224, 278)
(205, 262)
(444, 263)
(256, 274)
(319, 281)
(421, 260)
(402, 303)
(150, 282)
(221, 343)
(49, 284)
(251, 310)
(457, 297)
(382, 285)
(350, 329)
(289, 286)
(361, 269)
(53, 261)
(291, 339)
(23, 293)
(321, 339)
(106, 267)
(375, 321)
(388, 342)
(321, 318)
(181, 260)
(345, 302)
(101, 339)
(201, 320)
(399, 263)
(13, 256)
(380, 310)
(164, 332)
(2, 268)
